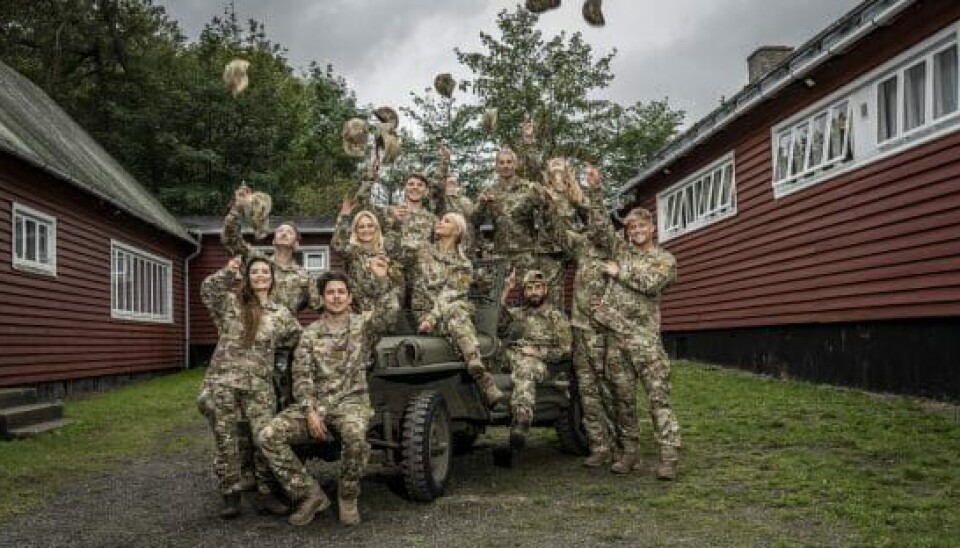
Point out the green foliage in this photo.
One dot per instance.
(124, 71)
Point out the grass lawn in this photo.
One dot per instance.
(766, 462)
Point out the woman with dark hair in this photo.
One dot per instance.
(358, 238)
(240, 377)
(440, 305)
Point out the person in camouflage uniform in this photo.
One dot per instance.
(445, 190)
(638, 276)
(253, 327)
(359, 240)
(440, 301)
(542, 337)
(589, 336)
(294, 287)
(330, 387)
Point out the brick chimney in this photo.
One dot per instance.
(765, 59)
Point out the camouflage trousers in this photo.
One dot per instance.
(589, 364)
(525, 372)
(646, 358)
(458, 328)
(550, 265)
(251, 460)
(349, 419)
(230, 406)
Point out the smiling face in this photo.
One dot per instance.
(336, 297)
(366, 229)
(285, 236)
(639, 232)
(414, 189)
(535, 293)
(506, 164)
(448, 227)
(260, 276)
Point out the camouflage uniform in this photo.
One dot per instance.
(329, 376)
(408, 233)
(630, 308)
(293, 287)
(546, 329)
(520, 232)
(589, 336)
(242, 376)
(364, 286)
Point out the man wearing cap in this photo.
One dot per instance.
(638, 276)
(293, 287)
(541, 337)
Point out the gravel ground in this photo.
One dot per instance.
(170, 500)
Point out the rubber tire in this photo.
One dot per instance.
(426, 437)
(569, 426)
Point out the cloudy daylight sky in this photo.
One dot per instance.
(690, 51)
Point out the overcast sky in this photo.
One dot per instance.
(690, 51)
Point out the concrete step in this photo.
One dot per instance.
(38, 428)
(24, 415)
(13, 397)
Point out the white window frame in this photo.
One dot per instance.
(137, 305)
(863, 94)
(303, 251)
(21, 214)
(710, 203)
(805, 128)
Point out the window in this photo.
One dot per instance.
(315, 259)
(141, 287)
(817, 143)
(705, 198)
(918, 95)
(34, 240)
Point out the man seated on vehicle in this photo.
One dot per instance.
(542, 337)
(330, 388)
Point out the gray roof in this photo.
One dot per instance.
(35, 129)
(832, 41)
(211, 224)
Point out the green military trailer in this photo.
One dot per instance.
(428, 407)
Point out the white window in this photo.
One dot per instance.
(917, 95)
(142, 285)
(699, 200)
(819, 142)
(34, 240)
(315, 259)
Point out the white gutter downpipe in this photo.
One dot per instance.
(186, 302)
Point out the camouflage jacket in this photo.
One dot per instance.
(293, 286)
(443, 203)
(234, 363)
(591, 252)
(365, 286)
(330, 363)
(517, 211)
(544, 327)
(441, 282)
(410, 232)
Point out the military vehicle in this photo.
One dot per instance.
(428, 407)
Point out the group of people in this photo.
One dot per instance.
(416, 255)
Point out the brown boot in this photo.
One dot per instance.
(316, 501)
(267, 503)
(520, 429)
(669, 460)
(489, 387)
(597, 459)
(349, 512)
(231, 506)
(625, 463)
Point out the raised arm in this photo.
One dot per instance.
(215, 291)
(341, 232)
(232, 236)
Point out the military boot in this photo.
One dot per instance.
(597, 459)
(625, 463)
(316, 501)
(231, 506)
(520, 428)
(349, 512)
(267, 503)
(669, 460)
(489, 387)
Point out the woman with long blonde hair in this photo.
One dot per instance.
(358, 238)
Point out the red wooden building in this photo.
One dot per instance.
(92, 281)
(815, 215)
(314, 253)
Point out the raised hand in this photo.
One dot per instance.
(379, 266)
(241, 196)
(234, 263)
(426, 326)
(527, 133)
(346, 207)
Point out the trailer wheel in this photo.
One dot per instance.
(426, 446)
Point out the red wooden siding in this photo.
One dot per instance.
(212, 258)
(60, 328)
(880, 242)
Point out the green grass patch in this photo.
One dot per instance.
(110, 428)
